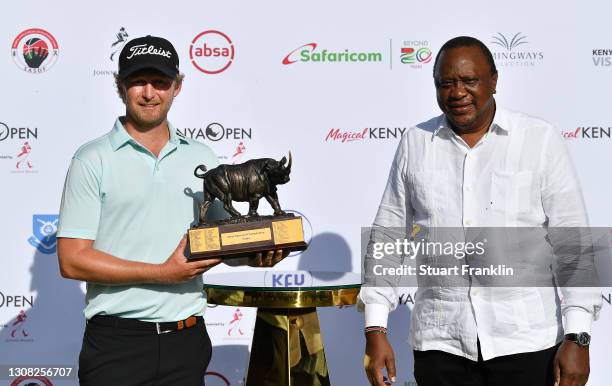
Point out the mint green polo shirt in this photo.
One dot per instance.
(136, 206)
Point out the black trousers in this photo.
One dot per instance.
(438, 368)
(119, 356)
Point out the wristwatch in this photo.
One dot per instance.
(582, 339)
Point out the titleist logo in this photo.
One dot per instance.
(143, 49)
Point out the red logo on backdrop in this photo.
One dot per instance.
(211, 52)
(235, 327)
(35, 50)
(238, 153)
(345, 136)
(23, 158)
(31, 381)
(18, 329)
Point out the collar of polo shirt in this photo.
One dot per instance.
(119, 136)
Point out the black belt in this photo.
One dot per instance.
(135, 324)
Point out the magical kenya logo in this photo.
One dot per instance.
(367, 133)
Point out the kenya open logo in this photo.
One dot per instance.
(211, 52)
(35, 50)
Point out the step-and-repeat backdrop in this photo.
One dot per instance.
(335, 83)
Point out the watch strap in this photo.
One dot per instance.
(582, 339)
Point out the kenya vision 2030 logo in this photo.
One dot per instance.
(35, 50)
(211, 52)
(602, 57)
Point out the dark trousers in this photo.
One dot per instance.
(119, 356)
(438, 368)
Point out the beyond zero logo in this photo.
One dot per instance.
(35, 50)
(211, 52)
(415, 53)
(286, 279)
(410, 56)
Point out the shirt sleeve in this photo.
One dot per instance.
(81, 202)
(570, 237)
(379, 295)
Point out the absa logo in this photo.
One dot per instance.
(211, 52)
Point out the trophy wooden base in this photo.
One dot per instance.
(244, 237)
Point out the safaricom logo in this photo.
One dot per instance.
(309, 53)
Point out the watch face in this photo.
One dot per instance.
(584, 339)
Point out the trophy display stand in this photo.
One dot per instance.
(287, 348)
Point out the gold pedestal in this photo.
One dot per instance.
(287, 347)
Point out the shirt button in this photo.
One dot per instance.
(468, 222)
(475, 291)
(468, 188)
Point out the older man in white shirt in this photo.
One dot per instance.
(478, 165)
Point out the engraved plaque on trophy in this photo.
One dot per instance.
(243, 236)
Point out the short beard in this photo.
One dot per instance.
(144, 125)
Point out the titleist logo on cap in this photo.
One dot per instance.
(144, 49)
